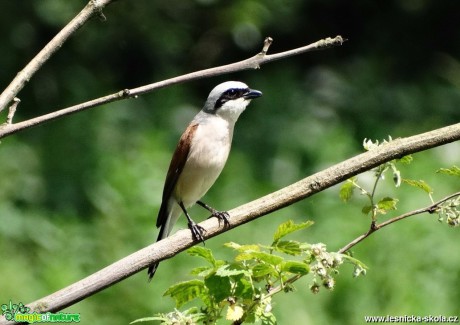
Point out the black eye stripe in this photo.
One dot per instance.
(230, 94)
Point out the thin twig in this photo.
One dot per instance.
(430, 209)
(183, 239)
(252, 63)
(92, 8)
(12, 110)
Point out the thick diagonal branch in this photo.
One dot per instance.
(183, 239)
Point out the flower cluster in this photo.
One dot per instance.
(323, 266)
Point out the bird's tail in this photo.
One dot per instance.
(165, 230)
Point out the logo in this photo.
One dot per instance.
(21, 313)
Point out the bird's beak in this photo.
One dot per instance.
(252, 93)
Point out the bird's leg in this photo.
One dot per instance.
(197, 231)
(221, 215)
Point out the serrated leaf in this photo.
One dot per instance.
(262, 256)
(218, 287)
(234, 312)
(184, 292)
(267, 258)
(242, 248)
(295, 267)
(202, 271)
(231, 270)
(346, 190)
(419, 184)
(406, 159)
(290, 247)
(289, 227)
(262, 269)
(454, 171)
(243, 288)
(203, 252)
(387, 203)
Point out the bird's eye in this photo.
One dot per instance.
(232, 93)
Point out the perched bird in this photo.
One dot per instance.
(200, 156)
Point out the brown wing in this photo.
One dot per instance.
(175, 169)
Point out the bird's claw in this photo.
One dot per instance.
(197, 231)
(222, 216)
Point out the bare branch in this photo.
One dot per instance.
(12, 110)
(252, 63)
(374, 227)
(183, 239)
(94, 7)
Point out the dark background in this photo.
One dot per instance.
(79, 193)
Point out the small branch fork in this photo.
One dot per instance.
(252, 63)
(374, 226)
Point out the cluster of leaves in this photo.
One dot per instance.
(243, 288)
(448, 210)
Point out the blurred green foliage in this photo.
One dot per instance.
(79, 193)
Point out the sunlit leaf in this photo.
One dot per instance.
(242, 248)
(454, 171)
(290, 247)
(231, 270)
(203, 252)
(346, 190)
(184, 292)
(419, 184)
(261, 270)
(289, 227)
(406, 159)
(387, 203)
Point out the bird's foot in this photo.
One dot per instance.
(197, 231)
(221, 216)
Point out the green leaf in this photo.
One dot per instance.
(454, 171)
(262, 269)
(267, 258)
(346, 190)
(290, 247)
(406, 159)
(202, 271)
(218, 287)
(295, 267)
(420, 184)
(289, 227)
(203, 252)
(242, 248)
(184, 292)
(366, 209)
(231, 270)
(243, 288)
(387, 203)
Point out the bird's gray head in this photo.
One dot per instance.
(229, 99)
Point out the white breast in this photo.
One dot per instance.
(207, 157)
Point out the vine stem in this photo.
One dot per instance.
(430, 209)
